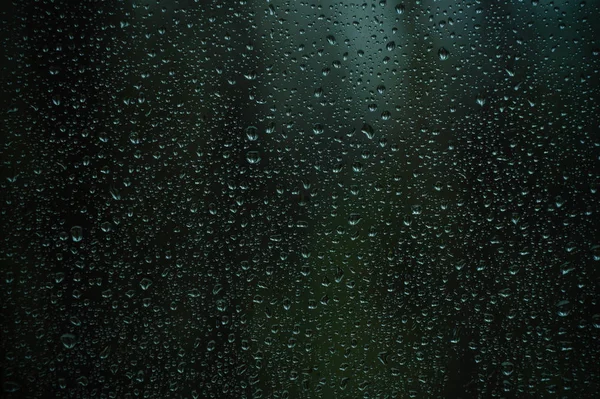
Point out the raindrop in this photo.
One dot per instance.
(252, 133)
(11, 386)
(145, 283)
(318, 129)
(596, 320)
(211, 346)
(563, 308)
(68, 340)
(253, 157)
(354, 219)
(443, 54)
(507, 368)
(368, 130)
(106, 227)
(271, 128)
(76, 233)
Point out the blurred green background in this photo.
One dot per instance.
(271, 199)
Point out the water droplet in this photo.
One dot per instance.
(443, 54)
(105, 352)
(106, 227)
(271, 128)
(368, 130)
(252, 133)
(145, 283)
(596, 320)
(76, 233)
(507, 368)
(287, 303)
(211, 346)
(253, 157)
(354, 219)
(563, 308)
(318, 129)
(68, 340)
(11, 386)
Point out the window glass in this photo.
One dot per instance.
(300, 199)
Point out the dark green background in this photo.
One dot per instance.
(472, 271)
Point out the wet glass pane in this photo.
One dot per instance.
(300, 199)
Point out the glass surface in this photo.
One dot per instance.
(300, 199)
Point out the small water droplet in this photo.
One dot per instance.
(145, 283)
(252, 133)
(368, 130)
(68, 340)
(76, 233)
(443, 54)
(253, 157)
